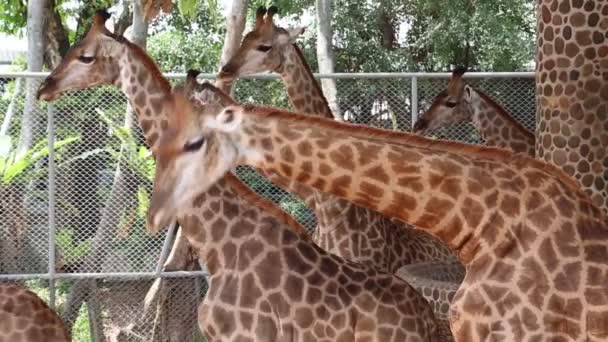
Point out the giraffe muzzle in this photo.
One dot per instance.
(45, 90)
(420, 126)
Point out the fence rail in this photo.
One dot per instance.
(54, 211)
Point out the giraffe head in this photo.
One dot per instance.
(92, 61)
(454, 105)
(193, 153)
(261, 49)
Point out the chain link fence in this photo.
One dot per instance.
(75, 193)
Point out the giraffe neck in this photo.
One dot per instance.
(148, 92)
(439, 187)
(499, 129)
(237, 232)
(304, 91)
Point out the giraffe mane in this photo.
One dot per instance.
(315, 83)
(504, 114)
(247, 194)
(458, 148)
(146, 60)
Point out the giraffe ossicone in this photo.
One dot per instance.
(527, 233)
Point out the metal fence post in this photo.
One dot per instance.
(414, 100)
(51, 188)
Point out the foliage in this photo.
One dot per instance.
(13, 168)
(71, 250)
(13, 16)
(175, 51)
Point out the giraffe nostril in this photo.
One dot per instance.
(44, 87)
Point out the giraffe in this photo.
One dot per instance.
(533, 243)
(461, 102)
(267, 237)
(572, 93)
(343, 228)
(103, 58)
(367, 237)
(24, 317)
(268, 283)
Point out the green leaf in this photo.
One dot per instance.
(188, 8)
(15, 167)
(143, 202)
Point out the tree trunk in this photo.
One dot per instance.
(572, 96)
(235, 25)
(56, 42)
(35, 52)
(10, 111)
(325, 55)
(387, 28)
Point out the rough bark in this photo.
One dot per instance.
(56, 42)
(35, 46)
(572, 94)
(235, 25)
(387, 28)
(325, 56)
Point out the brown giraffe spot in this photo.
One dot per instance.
(308, 252)
(369, 191)
(266, 327)
(328, 266)
(247, 252)
(287, 154)
(472, 212)
(343, 157)
(295, 262)
(324, 169)
(340, 185)
(510, 205)
(218, 229)
(451, 187)
(230, 290)
(597, 323)
(294, 288)
(533, 282)
(377, 173)
(279, 304)
(289, 134)
(313, 296)
(305, 149)
(286, 169)
(224, 320)
(270, 270)
(229, 250)
(596, 253)
(269, 235)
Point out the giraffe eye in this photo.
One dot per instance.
(195, 145)
(86, 59)
(263, 48)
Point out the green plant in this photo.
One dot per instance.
(13, 167)
(71, 251)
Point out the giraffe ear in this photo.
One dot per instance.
(295, 33)
(291, 36)
(228, 120)
(469, 94)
